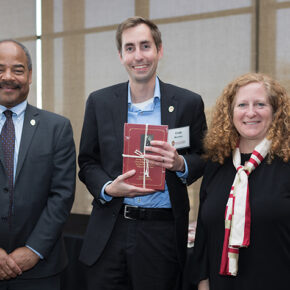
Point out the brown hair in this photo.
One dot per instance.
(134, 21)
(222, 136)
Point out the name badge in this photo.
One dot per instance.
(179, 137)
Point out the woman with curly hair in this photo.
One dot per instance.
(243, 228)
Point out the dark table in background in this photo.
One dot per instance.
(73, 278)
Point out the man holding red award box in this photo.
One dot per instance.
(137, 236)
(136, 138)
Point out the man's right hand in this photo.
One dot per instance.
(8, 268)
(119, 188)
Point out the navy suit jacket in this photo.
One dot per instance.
(100, 158)
(43, 190)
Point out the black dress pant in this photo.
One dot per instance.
(140, 255)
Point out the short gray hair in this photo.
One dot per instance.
(28, 56)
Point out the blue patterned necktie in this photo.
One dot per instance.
(8, 144)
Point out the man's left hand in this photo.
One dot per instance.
(168, 156)
(25, 258)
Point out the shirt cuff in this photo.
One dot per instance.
(103, 195)
(34, 251)
(183, 175)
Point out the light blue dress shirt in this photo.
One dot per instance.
(149, 114)
(18, 113)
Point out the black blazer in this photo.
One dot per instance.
(43, 190)
(100, 158)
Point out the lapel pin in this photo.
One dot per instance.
(32, 122)
(171, 109)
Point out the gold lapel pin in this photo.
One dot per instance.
(32, 122)
(170, 109)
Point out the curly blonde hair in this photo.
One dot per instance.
(222, 136)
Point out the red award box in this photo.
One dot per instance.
(136, 137)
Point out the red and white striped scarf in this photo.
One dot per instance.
(238, 215)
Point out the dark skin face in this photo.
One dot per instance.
(15, 77)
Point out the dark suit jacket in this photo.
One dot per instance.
(100, 158)
(43, 191)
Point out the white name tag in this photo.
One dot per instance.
(179, 137)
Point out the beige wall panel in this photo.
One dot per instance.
(58, 89)
(205, 55)
(102, 63)
(48, 56)
(17, 18)
(142, 8)
(267, 37)
(172, 8)
(283, 47)
(74, 83)
(57, 15)
(66, 71)
(102, 13)
(72, 102)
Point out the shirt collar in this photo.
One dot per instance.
(18, 109)
(157, 94)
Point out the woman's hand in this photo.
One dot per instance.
(203, 285)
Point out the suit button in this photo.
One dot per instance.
(5, 189)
